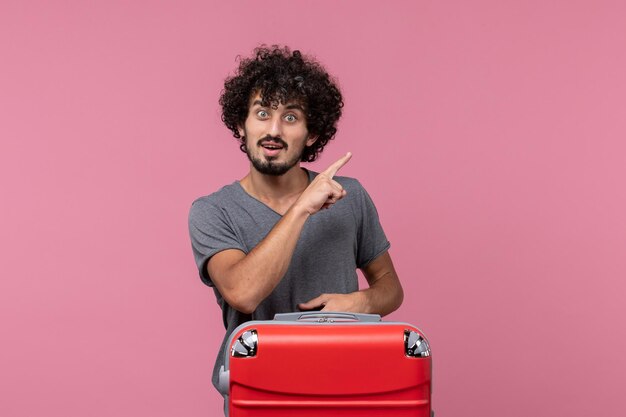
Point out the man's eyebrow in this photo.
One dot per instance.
(295, 106)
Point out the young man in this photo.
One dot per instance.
(283, 238)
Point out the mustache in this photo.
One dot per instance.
(274, 139)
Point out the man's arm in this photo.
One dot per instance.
(383, 296)
(246, 280)
(385, 293)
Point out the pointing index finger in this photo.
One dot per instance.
(336, 166)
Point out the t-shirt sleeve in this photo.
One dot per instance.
(371, 239)
(210, 233)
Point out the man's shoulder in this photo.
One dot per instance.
(349, 183)
(215, 205)
(222, 197)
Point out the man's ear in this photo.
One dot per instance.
(311, 140)
(240, 130)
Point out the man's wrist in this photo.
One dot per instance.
(299, 211)
(363, 302)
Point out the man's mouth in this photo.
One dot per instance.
(272, 146)
(272, 142)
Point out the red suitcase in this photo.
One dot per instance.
(327, 364)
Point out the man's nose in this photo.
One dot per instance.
(276, 127)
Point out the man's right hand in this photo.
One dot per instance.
(323, 191)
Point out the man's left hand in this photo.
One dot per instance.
(353, 303)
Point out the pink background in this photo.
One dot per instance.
(489, 133)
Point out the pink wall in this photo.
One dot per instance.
(490, 134)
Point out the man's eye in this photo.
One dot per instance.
(291, 118)
(262, 114)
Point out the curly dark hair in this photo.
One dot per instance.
(282, 76)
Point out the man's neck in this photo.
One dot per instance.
(273, 188)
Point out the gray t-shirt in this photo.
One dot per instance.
(332, 244)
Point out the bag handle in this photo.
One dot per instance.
(327, 317)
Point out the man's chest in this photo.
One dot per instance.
(337, 225)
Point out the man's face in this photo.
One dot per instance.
(275, 137)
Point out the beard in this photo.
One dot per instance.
(268, 165)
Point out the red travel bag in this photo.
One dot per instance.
(327, 364)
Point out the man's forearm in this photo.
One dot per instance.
(259, 272)
(383, 296)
